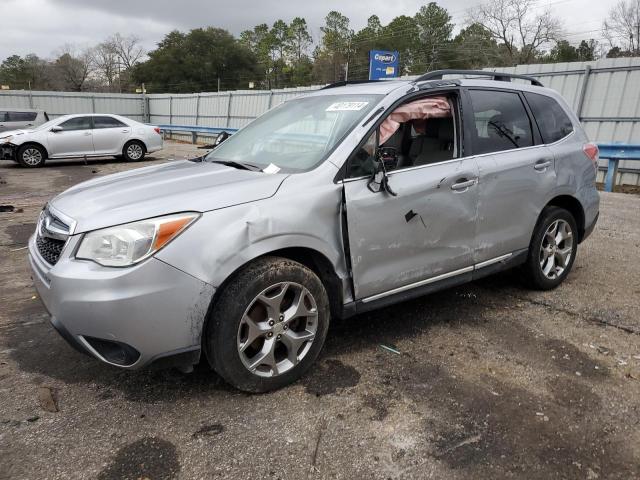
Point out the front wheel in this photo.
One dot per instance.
(133, 151)
(31, 156)
(268, 325)
(553, 249)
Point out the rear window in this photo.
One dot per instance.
(107, 122)
(501, 121)
(21, 116)
(553, 121)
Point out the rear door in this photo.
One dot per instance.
(109, 135)
(516, 171)
(75, 139)
(425, 233)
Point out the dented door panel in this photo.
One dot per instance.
(426, 230)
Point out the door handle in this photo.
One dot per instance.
(463, 185)
(87, 133)
(542, 165)
(125, 131)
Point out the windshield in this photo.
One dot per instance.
(297, 135)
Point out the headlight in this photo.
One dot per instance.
(131, 243)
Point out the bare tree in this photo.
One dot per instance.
(105, 63)
(517, 25)
(622, 27)
(73, 66)
(128, 50)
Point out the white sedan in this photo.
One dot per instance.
(95, 135)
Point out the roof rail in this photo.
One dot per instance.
(343, 83)
(498, 76)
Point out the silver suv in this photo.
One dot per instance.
(348, 199)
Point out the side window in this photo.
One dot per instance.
(553, 121)
(107, 122)
(418, 132)
(78, 123)
(21, 116)
(3, 116)
(501, 121)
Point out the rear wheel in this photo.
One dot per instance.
(133, 151)
(553, 249)
(31, 156)
(268, 325)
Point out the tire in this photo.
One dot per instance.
(240, 329)
(551, 256)
(134, 151)
(31, 156)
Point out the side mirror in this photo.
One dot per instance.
(379, 180)
(388, 156)
(220, 138)
(56, 129)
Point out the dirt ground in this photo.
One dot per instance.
(491, 380)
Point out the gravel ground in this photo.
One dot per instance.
(492, 380)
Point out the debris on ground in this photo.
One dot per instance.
(390, 349)
(47, 400)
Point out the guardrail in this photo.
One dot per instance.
(614, 152)
(194, 130)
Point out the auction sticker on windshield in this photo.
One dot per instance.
(346, 106)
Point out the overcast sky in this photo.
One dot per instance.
(42, 26)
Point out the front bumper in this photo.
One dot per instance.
(7, 151)
(128, 317)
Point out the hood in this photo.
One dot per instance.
(9, 133)
(163, 189)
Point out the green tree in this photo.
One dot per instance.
(563, 51)
(473, 48)
(298, 39)
(196, 61)
(434, 32)
(401, 34)
(335, 47)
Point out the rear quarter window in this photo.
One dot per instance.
(21, 116)
(553, 121)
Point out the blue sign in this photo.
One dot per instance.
(383, 64)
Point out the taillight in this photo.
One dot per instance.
(157, 130)
(591, 151)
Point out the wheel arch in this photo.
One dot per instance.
(573, 206)
(135, 139)
(313, 259)
(31, 142)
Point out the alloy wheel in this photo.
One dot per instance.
(134, 151)
(32, 156)
(277, 329)
(556, 249)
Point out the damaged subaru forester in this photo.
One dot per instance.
(353, 197)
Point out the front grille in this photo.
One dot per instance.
(49, 248)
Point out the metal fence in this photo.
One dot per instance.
(605, 94)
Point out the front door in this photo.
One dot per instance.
(426, 232)
(75, 138)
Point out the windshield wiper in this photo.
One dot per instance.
(238, 165)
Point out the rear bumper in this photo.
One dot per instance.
(127, 317)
